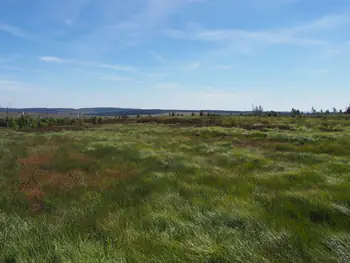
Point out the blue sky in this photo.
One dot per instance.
(185, 54)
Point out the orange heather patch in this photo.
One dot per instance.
(30, 173)
(34, 196)
(36, 160)
(32, 192)
(63, 181)
(34, 179)
(31, 166)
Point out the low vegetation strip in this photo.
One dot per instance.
(330, 123)
(151, 192)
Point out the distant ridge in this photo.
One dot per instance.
(110, 111)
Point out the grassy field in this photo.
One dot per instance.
(261, 190)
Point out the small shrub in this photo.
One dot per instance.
(296, 113)
(13, 124)
(94, 120)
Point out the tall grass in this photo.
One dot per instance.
(155, 193)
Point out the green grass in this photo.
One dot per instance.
(164, 193)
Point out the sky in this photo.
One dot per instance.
(175, 54)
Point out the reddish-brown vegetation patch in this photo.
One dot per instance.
(62, 181)
(105, 179)
(36, 181)
(36, 160)
(30, 171)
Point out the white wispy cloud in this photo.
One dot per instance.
(152, 15)
(324, 23)
(297, 35)
(10, 85)
(272, 37)
(66, 11)
(14, 31)
(223, 67)
(157, 11)
(117, 67)
(157, 57)
(336, 50)
(194, 66)
(52, 59)
(55, 60)
(152, 74)
(187, 32)
(10, 68)
(120, 68)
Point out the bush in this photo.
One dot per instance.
(296, 113)
(272, 114)
(80, 122)
(52, 121)
(34, 124)
(94, 120)
(3, 122)
(43, 123)
(348, 110)
(13, 124)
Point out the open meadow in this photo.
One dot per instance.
(220, 189)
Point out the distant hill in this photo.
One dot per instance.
(108, 111)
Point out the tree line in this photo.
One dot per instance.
(28, 122)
